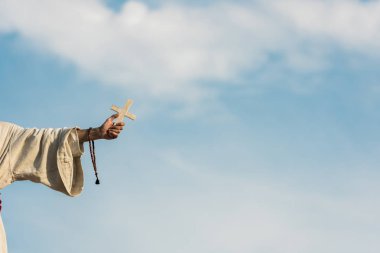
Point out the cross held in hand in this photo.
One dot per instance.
(124, 111)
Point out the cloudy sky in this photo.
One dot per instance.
(257, 131)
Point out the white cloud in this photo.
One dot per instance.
(169, 51)
(352, 24)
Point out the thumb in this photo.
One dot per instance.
(114, 116)
(111, 118)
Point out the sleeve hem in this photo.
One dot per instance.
(69, 166)
(76, 147)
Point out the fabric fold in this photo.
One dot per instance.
(69, 163)
(47, 156)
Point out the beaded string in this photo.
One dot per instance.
(93, 157)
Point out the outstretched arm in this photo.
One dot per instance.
(107, 131)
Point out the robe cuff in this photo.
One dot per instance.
(69, 166)
(75, 146)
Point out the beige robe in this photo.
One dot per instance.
(47, 156)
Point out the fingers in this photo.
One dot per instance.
(117, 126)
(120, 124)
(115, 130)
(113, 133)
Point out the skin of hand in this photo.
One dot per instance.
(107, 131)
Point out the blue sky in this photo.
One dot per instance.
(257, 125)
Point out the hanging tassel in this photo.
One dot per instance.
(97, 178)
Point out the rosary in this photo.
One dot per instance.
(93, 157)
(123, 112)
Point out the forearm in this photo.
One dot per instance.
(94, 134)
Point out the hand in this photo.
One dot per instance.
(110, 130)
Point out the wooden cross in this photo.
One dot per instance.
(124, 112)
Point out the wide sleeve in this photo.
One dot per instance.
(48, 156)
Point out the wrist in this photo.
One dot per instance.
(95, 133)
